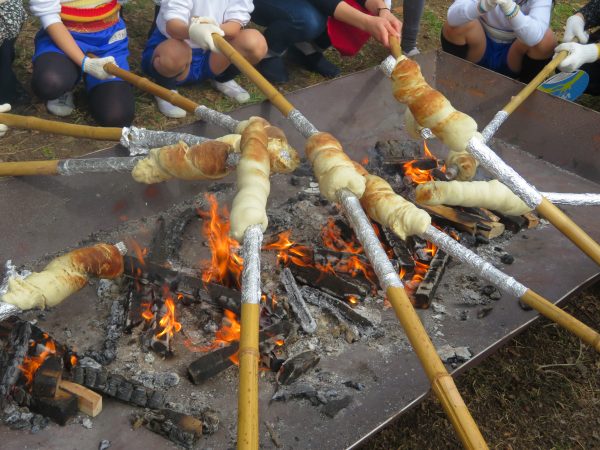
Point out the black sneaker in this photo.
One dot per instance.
(316, 62)
(273, 69)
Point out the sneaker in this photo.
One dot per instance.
(315, 62)
(62, 106)
(170, 110)
(273, 69)
(412, 52)
(232, 90)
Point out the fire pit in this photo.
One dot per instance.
(355, 370)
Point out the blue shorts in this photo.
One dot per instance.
(496, 57)
(199, 69)
(110, 42)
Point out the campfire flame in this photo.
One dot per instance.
(168, 322)
(225, 265)
(420, 269)
(420, 176)
(32, 363)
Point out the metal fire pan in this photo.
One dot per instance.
(553, 143)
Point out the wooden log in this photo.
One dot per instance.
(182, 429)
(47, 377)
(427, 288)
(327, 282)
(88, 401)
(465, 221)
(18, 345)
(59, 408)
(296, 366)
(296, 302)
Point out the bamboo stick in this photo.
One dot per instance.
(55, 127)
(395, 49)
(24, 168)
(248, 386)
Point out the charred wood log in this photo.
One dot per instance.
(465, 221)
(296, 302)
(328, 282)
(296, 366)
(47, 378)
(114, 329)
(182, 429)
(427, 288)
(13, 355)
(59, 408)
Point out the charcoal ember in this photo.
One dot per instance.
(112, 385)
(101, 380)
(21, 396)
(210, 421)
(328, 282)
(354, 385)
(453, 355)
(139, 396)
(114, 329)
(12, 357)
(90, 377)
(507, 258)
(156, 399)
(158, 380)
(297, 366)
(182, 429)
(59, 408)
(125, 391)
(78, 374)
(297, 303)
(299, 391)
(428, 286)
(333, 407)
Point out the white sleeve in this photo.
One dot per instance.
(531, 28)
(463, 11)
(239, 11)
(177, 9)
(48, 11)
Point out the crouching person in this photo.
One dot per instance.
(512, 38)
(181, 51)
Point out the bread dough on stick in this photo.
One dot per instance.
(204, 161)
(430, 109)
(64, 276)
(332, 167)
(391, 210)
(482, 194)
(250, 202)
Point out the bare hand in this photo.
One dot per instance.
(392, 19)
(381, 29)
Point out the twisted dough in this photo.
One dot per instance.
(432, 110)
(332, 167)
(64, 276)
(250, 202)
(204, 161)
(483, 194)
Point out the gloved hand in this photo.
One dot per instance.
(3, 128)
(575, 28)
(486, 5)
(579, 55)
(508, 7)
(201, 30)
(95, 67)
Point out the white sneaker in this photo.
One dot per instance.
(232, 90)
(413, 52)
(170, 110)
(62, 106)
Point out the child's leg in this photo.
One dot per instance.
(8, 80)
(413, 10)
(171, 62)
(54, 74)
(466, 41)
(249, 42)
(112, 104)
(528, 61)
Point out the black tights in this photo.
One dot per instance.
(111, 104)
(8, 80)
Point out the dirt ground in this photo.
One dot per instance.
(539, 391)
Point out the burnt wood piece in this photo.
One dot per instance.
(400, 249)
(427, 288)
(393, 148)
(398, 162)
(328, 282)
(296, 366)
(213, 363)
(47, 377)
(88, 401)
(138, 296)
(464, 221)
(513, 223)
(182, 429)
(341, 310)
(13, 355)
(21, 396)
(296, 302)
(59, 408)
(114, 328)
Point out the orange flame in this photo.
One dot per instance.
(32, 363)
(353, 300)
(73, 360)
(168, 322)
(226, 265)
(420, 176)
(147, 314)
(289, 251)
(140, 252)
(331, 235)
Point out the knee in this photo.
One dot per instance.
(311, 23)
(450, 31)
(546, 46)
(172, 58)
(113, 104)
(254, 44)
(48, 84)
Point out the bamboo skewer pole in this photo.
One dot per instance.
(442, 383)
(68, 166)
(395, 49)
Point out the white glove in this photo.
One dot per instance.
(486, 5)
(95, 67)
(579, 55)
(507, 6)
(575, 28)
(201, 30)
(3, 128)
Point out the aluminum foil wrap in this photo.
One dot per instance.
(121, 247)
(485, 270)
(503, 172)
(387, 66)
(573, 199)
(366, 235)
(113, 164)
(139, 140)
(7, 310)
(251, 274)
(426, 133)
(491, 128)
(302, 124)
(216, 118)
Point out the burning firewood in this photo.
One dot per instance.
(65, 275)
(296, 302)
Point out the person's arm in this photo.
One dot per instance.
(231, 29)
(177, 17)
(64, 40)
(236, 16)
(463, 11)
(377, 27)
(382, 8)
(591, 14)
(529, 28)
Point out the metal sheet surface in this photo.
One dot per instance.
(47, 215)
